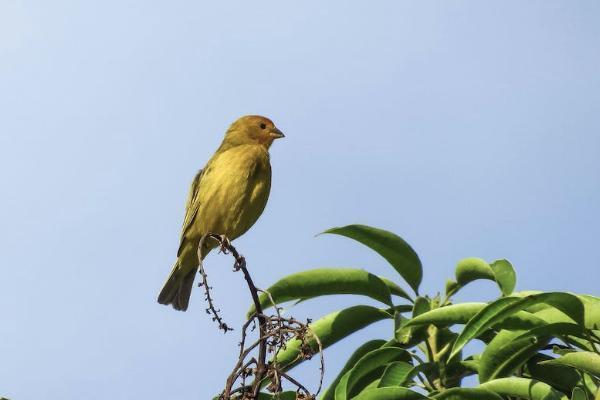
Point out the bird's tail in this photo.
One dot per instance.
(178, 287)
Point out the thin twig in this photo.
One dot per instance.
(211, 310)
(322, 360)
(275, 331)
(240, 264)
(295, 382)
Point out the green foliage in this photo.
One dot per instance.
(329, 393)
(472, 268)
(391, 247)
(427, 353)
(331, 329)
(396, 374)
(467, 394)
(328, 281)
(584, 361)
(371, 366)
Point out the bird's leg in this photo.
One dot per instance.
(225, 244)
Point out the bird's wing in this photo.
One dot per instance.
(191, 205)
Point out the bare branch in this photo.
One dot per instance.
(275, 331)
(211, 310)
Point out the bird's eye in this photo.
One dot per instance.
(263, 126)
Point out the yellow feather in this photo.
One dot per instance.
(233, 192)
(225, 198)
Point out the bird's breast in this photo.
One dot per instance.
(234, 191)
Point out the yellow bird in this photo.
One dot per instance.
(226, 198)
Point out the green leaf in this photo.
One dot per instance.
(562, 350)
(471, 365)
(449, 315)
(331, 329)
(590, 385)
(578, 394)
(585, 361)
(326, 281)
(523, 388)
(390, 246)
(342, 386)
(500, 271)
(567, 303)
(404, 376)
(408, 336)
(590, 297)
(395, 289)
(402, 308)
(457, 371)
(461, 314)
(389, 393)
(483, 320)
(443, 340)
(373, 384)
(471, 269)
(505, 276)
(396, 374)
(467, 394)
(510, 349)
(357, 355)
(551, 315)
(500, 309)
(591, 305)
(554, 329)
(361, 374)
(560, 377)
(451, 287)
(504, 354)
(421, 306)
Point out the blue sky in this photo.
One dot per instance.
(468, 128)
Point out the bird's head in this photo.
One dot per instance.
(252, 129)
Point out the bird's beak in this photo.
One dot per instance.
(276, 133)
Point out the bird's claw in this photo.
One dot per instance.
(225, 244)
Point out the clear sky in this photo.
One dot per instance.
(469, 128)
